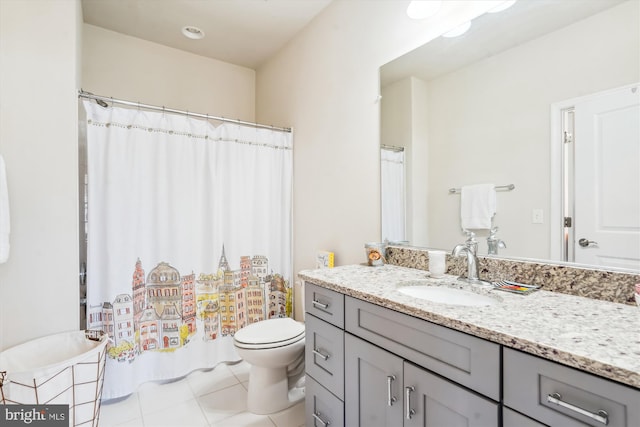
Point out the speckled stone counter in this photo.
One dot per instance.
(599, 284)
(596, 336)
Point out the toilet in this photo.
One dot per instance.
(275, 350)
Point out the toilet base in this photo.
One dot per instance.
(269, 391)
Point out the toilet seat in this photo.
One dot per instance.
(270, 333)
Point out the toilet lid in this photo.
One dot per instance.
(279, 331)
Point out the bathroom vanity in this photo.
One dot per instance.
(377, 356)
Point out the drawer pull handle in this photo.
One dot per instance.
(600, 416)
(317, 352)
(390, 398)
(407, 409)
(319, 304)
(316, 415)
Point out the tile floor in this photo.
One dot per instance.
(216, 397)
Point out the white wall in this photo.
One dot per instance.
(420, 157)
(38, 140)
(324, 84)
(124, 67)
(490, 122)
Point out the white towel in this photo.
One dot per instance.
(4, 214)
(477, 206)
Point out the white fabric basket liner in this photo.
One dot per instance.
(66, 368)
(48, 355)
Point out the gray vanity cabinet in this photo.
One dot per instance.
(369, 365)
(382, 389)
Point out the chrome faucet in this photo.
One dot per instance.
(493, 243)
(470, 249)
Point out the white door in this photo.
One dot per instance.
(607, 179)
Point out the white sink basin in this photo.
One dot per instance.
(446, 295)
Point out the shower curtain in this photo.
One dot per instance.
(188, 239)
(392, 194)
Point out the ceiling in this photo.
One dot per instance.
(241, 32)
(490, 34)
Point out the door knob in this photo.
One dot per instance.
(585, 242)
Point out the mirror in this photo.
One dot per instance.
(482, 108)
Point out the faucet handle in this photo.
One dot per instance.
(471, 242)
(471, 236)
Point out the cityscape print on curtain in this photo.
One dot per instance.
(189, 239)
(165, 309)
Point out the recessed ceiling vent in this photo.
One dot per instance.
(191, 32)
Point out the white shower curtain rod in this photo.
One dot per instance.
(88, 95)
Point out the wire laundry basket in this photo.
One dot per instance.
(65, 368)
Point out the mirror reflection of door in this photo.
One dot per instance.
(606, 180)
(392, 173)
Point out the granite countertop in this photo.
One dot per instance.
(596, 336)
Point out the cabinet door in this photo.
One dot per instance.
(435, 402)
(373, 385)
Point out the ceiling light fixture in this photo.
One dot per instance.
(191, 32)
(504, 5)
(459, 30)
(422, 9)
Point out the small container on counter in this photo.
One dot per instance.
(375, 253)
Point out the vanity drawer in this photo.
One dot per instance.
(462, 358)
(328, 409)
(325, 304)
(557, 395)
(324, 354)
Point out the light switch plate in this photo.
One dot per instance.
(537, 216)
